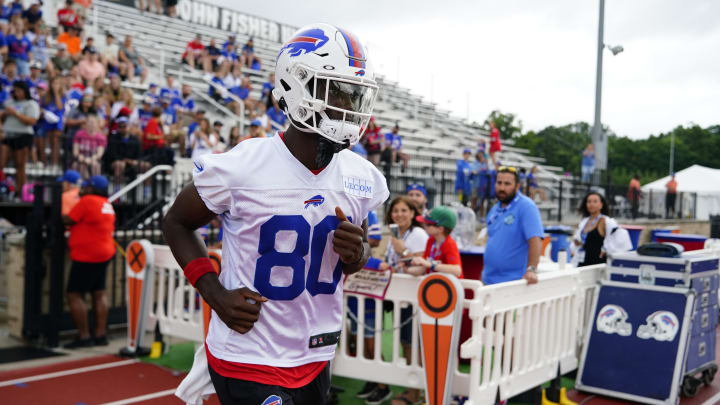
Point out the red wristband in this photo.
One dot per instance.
(198, 268)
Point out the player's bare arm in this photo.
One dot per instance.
(351, 243)
(187, 214)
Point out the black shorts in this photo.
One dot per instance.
(231, 391)
(87, 277)
(19, 142)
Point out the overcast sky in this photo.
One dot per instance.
(537, 59)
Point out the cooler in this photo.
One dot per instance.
(688, 241)
(668, 229)
(634, 231)
(559, 240)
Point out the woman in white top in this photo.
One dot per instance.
(407, 242)
(597, 234)
(202, 140)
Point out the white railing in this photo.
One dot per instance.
(139, 181)
(522, 336)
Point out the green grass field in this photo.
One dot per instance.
(180, 357)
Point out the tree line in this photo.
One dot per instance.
(563, 145)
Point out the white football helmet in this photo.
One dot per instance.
(661, 326)
(613, 319)
(325, 84)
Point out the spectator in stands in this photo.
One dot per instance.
(221, 145)
(374, 142)
(256, 130)
(248, 54)
(184, 105)
(533, 186)
(495, 145)
(62, 60)
(20, 113)
(153, 142)
(109, 54)
(38, 37)
(418, 193)
(5, 14)
(597, 235)
(229, 54)
(234, 137)
(193, 55)
(112, 90)
(395, 145)
(66, 16)
(202, 140)
(89, 146)
(275, 114)
(463, 184)
(9, 76)
(479, 178)
(19, 48)
(53, 112)
(171, 8)
(122, 157)
(35, 79)
(124, 100)
(90, 67)
(146, 7)
(267, 88)
(441, 252)
(32, 15)
(211, 58)
(71, 181)
(71, 40)
(171, 125)
(588, 163)
(92, 223)
(145, 113)
(514, 233)
(170, 90)
(241, 89)
(128, 54)
(634, 195)
(3, 46)
(77, 117)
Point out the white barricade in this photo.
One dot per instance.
(529, 333)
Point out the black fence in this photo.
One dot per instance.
(138, 216)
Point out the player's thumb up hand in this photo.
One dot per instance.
(340, 214)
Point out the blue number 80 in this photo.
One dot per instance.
(269, 257)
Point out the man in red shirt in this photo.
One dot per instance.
(194, 52)
(66, 16)
(670, 196)
(153, 141)
(92, 223)
(634, 195)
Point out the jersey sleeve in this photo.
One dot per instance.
(208, 179)
(381, 192)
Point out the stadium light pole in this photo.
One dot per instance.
(599, 139)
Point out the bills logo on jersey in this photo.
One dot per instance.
(661, 326)
(305, 42)
(198, 166)
(272, 400)
(315, 201)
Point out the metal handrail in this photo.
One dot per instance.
(139, 180)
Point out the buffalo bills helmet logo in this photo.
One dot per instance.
(661, 326)
(272, 400)
(612, 319)
(360, 73)
(305, 42)
(315, 201)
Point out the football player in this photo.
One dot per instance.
(293, 209)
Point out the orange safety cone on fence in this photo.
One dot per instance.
(440, 297)
(139, 260)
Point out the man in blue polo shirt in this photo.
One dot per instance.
(514, 233)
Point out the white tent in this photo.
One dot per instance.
(695, 180)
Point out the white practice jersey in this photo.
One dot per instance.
(278, 222)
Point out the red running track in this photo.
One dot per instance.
(97, 380)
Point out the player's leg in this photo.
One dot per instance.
(316, 392)
(231, 391)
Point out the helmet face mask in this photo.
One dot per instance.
(326, 86)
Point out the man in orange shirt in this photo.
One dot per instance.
(71, 39)
(92, 223)
(634, 194)
(71, 190)
(671, 187)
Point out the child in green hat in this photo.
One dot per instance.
(441, 252)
